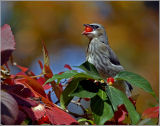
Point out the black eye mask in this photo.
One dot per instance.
(94, 26)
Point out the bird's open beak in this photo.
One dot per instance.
(84, 32)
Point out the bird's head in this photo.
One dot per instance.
(93, 30)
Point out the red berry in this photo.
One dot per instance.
(88, 29)
(110, 80)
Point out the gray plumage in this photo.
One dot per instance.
(103, 57)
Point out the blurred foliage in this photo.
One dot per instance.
(132, 28)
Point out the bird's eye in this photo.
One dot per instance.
(94, 26)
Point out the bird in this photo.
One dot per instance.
(100, 54)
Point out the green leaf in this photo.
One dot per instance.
(102, 95)
(72, 73)
(90, 70)
(88, 75)
(135, 80)
(65, 75)
(82, 120)
(88, 67)
(85, 89)
(85, 120)
(65, 98)
(101, 110)
(117, 98)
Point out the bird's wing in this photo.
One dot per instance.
(112, 56)
(106, 50)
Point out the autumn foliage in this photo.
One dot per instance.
(24, 99)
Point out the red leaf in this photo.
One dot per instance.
(58, 90)
(9, 109)
(54, 114)
(23, 82)
(18, 89)
(9, 81)
(59, 117)
(151, 112)
(36, 86)
(120, 114)
(67, 66)
(48, 72)
(24, 69)
(39, 111)
(40, 64)
(37, 94)
(42, 81)
(29, 112)
(21, 118)
(21, 73)
(7, 43)
(23, 101)
(49, 95)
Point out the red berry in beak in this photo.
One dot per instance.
(110, 80)
(88, 29)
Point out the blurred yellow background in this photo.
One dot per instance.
(132, 28)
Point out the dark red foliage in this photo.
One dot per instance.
(40, 64)
(52, 115)
(18, 89)
(26, 91)
(59, 117)
(120, 114)
(7, 43)
(41, 80)
(24, 101)
(9, 109)
(21, 117)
